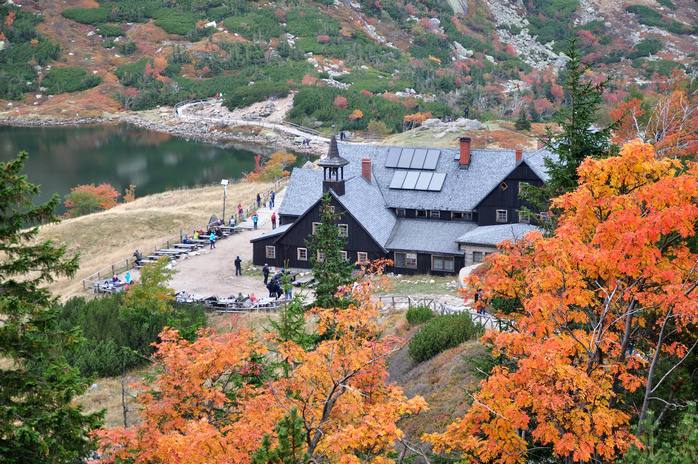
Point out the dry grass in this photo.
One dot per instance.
(113, 235)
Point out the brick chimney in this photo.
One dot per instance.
(366, 168)
(464, 152)
(519, 154)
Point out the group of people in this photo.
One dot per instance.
(275, 284)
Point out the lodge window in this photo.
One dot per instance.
(503, 186)
(477, 256)
(436, 214)
(315, 227)
(320, 256)
(524, 218)
(461, 215)
(400, 212)
(408, 260)
(501, 215)
(271, 252)
(344, 230)
(421, 213)
(302, 254)
(362, 257)
(343, 255)
(442, 263)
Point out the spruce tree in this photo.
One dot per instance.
(522, 123)
(577, 139)
(331, 272)
(38, 422)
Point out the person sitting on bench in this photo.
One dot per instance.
(138, 257)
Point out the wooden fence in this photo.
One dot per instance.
(487, 320)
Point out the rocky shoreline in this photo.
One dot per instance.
(190, 129)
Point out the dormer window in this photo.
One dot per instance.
(421, 213)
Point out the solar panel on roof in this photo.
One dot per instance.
(424, 180)
(405, 158)
(393, 157)
(398, 179)
(418, 159)
(437, 182)
(431, 159)
(410, 180)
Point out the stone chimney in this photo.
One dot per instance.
(464, 152)
(366, 168)
(519, 154)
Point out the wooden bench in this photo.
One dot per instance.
(303, 281)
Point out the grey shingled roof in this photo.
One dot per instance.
(428, 236)
(492, 235)
(303, 190)
(272, 233)
(363, 201)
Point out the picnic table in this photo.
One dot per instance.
(187, 246)
(266, 304)
(109, 287)
(303, 281)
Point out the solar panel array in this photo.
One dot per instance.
(418, 180)
(412, 158)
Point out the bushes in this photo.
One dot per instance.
(88, 15)
(261, 24)
(108, 30)
(69, 79)
(241, 97)
(418, 314)
(116, 339)
(442, 333)
(311, 23)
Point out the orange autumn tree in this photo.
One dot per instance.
(86, 199)
(215, 399)
(603, 306)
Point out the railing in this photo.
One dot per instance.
(487, 320)
(91, 281)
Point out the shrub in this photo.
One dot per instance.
(419, 314)
(127, 48)
(116, 339)
(88, 15)
(241, 97)
(442, 333)
(69, 79)
(108, 30)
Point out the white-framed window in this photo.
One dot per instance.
(477, 256)
(320, 256)
(315, 227)
(501, 215)
(362, 257)
(421, 213)
(461, 215)
(331, 209)
(524, 218)
(408, 260)
(400, 212)
(302, 254)
(435, 214)
(343, 255)
(271, 252)
(343, 230)
(442, 263)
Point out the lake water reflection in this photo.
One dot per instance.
(61, 158)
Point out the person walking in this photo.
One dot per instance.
(265, 271)
(212, 239)
(273, 220)
(255, 219)
(272, 196)
(259, 201)
(238, 266)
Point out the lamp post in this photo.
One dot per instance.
(224, 183)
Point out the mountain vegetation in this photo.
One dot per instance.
(389, 60)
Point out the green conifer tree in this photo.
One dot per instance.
(578, 138)
(291, 443)
(522, 122)
(38, 422)
(330, 272)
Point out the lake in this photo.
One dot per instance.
(64, 157)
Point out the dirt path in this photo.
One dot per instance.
(211, 272)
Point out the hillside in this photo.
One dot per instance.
(359, 66)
